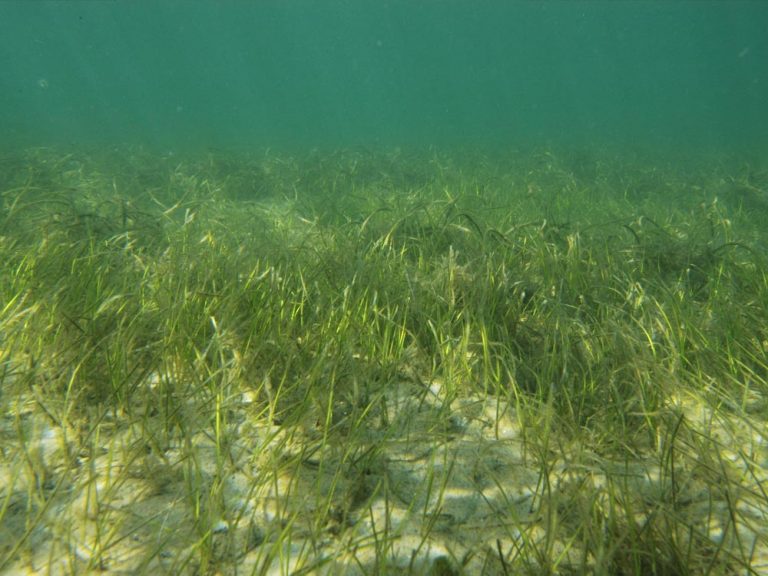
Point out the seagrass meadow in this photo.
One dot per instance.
(373, 362)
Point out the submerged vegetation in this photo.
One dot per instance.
(357, 363)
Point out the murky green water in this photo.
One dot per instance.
(180, 76)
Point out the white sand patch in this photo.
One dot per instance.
(434, 481)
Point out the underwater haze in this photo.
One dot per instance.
(193, 76)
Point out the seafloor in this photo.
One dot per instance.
(355, 362)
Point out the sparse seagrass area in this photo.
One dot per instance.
(356, 362)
